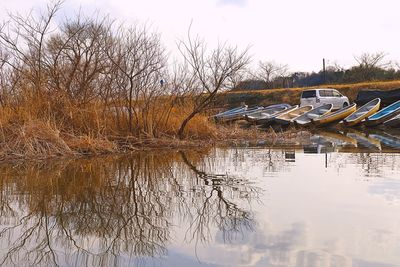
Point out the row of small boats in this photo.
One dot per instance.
(284, 114)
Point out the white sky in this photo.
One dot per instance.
(294, 32)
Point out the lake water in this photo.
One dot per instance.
(333, 202)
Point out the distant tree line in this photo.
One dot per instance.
(368, 67)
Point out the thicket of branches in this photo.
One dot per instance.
(91, 76)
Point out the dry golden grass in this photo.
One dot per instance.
(87, 145)
(33, 129)
(33, 139)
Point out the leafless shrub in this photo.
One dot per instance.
(212, 71)
(139, 61)
(91, 78)
(269, 71)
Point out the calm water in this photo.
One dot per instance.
(222, 207)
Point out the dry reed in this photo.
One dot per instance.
(35, 129)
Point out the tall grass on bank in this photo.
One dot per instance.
(26, 131)
(86, 85)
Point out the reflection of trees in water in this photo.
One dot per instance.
(370, 163)
(272, 160)
(218, 198)
(104, 210)
(108, 211)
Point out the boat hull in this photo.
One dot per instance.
(237, 115)
(383, 115)
(271, 120)
(266, 112)
(307, 118)
(335, 116)
(288, 117)
(370, 108)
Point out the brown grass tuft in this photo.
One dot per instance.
(86, 145)
(33, 139)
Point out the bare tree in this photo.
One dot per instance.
(397, 65)
(235, 80)
(139, 59)
(77, 59)
(269, 71)
(24, 39)
(335, 67)
(372, 60)
(89, 77)
(5, 78)
(212, 70)
(369, 64)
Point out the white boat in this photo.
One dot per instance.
(289, 117)
(267, 111)
(268, 119)
(309, 116)
(237, 115)
(230, 111)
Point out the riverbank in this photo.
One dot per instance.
(38, 140)
(25, 133)
(292, 95)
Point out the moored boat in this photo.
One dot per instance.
(230, 111)
(383, 115)
(269, 119)
(335, 116)
(307, 117)
(363, 112)
(267, 111)
(237, 115)
(289, 117)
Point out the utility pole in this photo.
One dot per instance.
(324, 70)
(326, 160)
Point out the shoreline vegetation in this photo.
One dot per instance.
(38, 141)
(86, 86)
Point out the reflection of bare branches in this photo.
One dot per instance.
(38, 235)
(5, 208)
(216, 207)
(95, 211)
(371, 164)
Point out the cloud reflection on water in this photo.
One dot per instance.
(224, 207)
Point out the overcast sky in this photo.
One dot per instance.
(295, 32)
